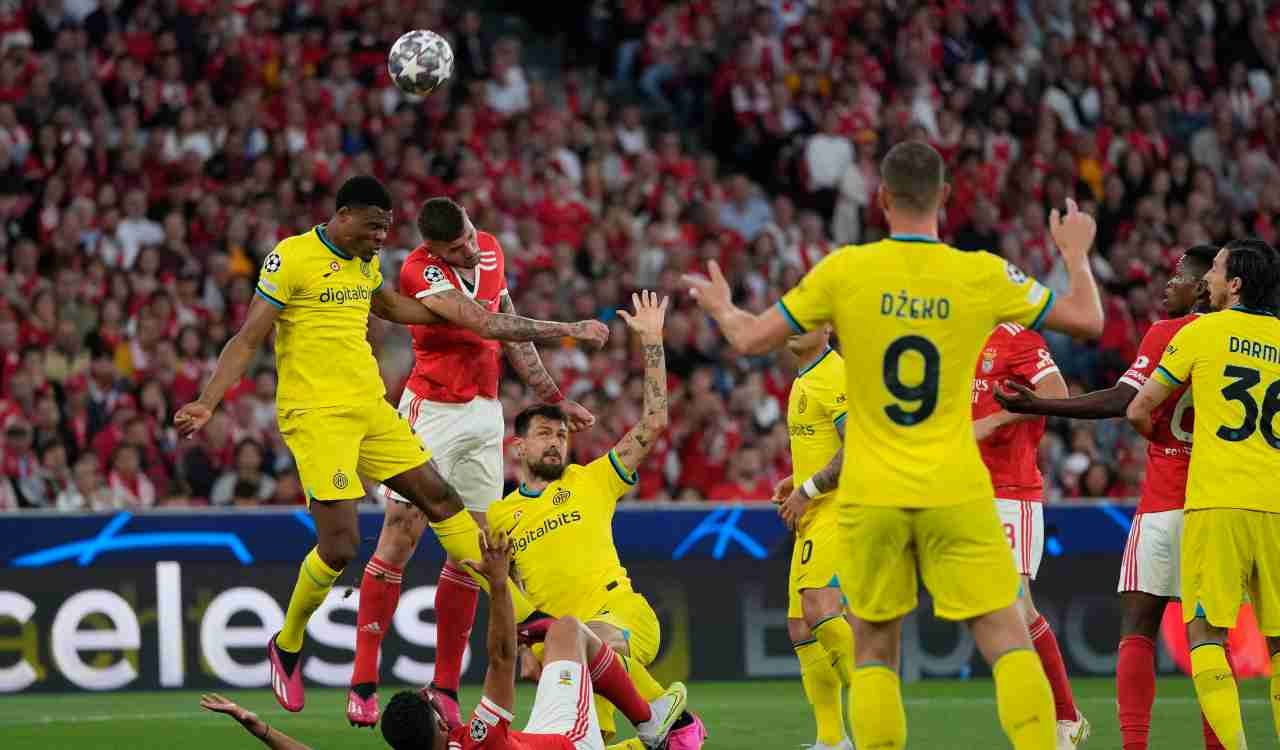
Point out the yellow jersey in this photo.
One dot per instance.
(815, 408)
(562, 537)
(323, 357)
(914, 314)
(1232, 360)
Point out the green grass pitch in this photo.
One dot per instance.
(942, 715)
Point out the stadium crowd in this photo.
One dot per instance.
(152, 152)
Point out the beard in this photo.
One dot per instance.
(547, 471)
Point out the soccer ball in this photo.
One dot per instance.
(420, 61)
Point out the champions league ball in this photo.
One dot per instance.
(420, 61)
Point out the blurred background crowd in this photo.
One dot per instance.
(153, 151)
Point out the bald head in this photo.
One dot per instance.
(913, 175)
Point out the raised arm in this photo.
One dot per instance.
(524, 359)
(495, 567)
(457, 308)
(746, 333)
(1105, 404)
(1079, 311)
(261, 731)
(232, 364)
(397, 308)
(646, 322)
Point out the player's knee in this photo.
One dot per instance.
(820, 604)
(565, 630)
(338, 550)
(798, 630)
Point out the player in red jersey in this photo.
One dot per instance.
(563, 716)
(451, 401)
(1010, 445)
(1149, 569)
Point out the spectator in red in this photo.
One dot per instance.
(746, 479)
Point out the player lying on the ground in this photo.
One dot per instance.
(561, 519)
(820, 634)
(917, 499)
(451, 402)
(563, 716)
(1010, 445)
(1231, 531)
(317, 291)
(1149, 569)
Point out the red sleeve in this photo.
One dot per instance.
(489, 244)
(1029, 357)
(488, 729)
(423, 275)
(1149, 353)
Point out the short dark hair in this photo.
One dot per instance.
(1254, 262)
(913, 173)
(547, 411)
(363, 191)
(408, 723)
(1202, 256)
(440, 220)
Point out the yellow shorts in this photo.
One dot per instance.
(334, 446)
(631, 613)
(815, 557)
(1228, 554)
(959, 550)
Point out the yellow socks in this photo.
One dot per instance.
(1219, 697)
(314, 581)
(1024, 701)
(878, 717)
(632, 744)
(836, 638)
(822, 687)
(460, 537)
(1275, 690)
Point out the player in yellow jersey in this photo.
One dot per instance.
(560, 521)
(820, 634)
(317, 291)
(1231, 531)
(917, 501)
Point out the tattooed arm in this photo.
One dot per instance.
(524, 359)
(826, 480)
(646, 322)
(461, 310)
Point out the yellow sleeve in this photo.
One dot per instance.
(832, 395)
(276, 279)
(808, 305)
(609, 479)
(1013, 295)
(1179, 357)
(375, 273)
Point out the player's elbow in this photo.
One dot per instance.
(1134, 415)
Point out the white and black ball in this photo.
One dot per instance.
(420, 61)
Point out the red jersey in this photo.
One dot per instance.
(451, 364)
(1021, 355)
(490, 729)
(1169, 451)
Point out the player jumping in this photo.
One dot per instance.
(563, 716)
(1231, 531)
(561, 522)
(1149, 569)
(451, 402)
(317, 291)
(820, 634)
(1010, 444)
(917, 500)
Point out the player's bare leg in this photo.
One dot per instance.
(1073, 727)
(1024, 699)
(824, 669)
(337, 539)
(1215, 684)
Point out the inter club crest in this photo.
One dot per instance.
(340, 480)
(561, 497)
(364, 268)
(803, 404)
(334, 267)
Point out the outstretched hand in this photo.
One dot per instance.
(649, 315)
(1073, 232)
(223, 705)
(495, 558)
(191, 418)
(712, 291)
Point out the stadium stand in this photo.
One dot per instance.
(151, 154)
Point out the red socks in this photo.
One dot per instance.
(1046, 644)
(456, 596)
(1135, 690)
(379, 594)
(610, 680)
